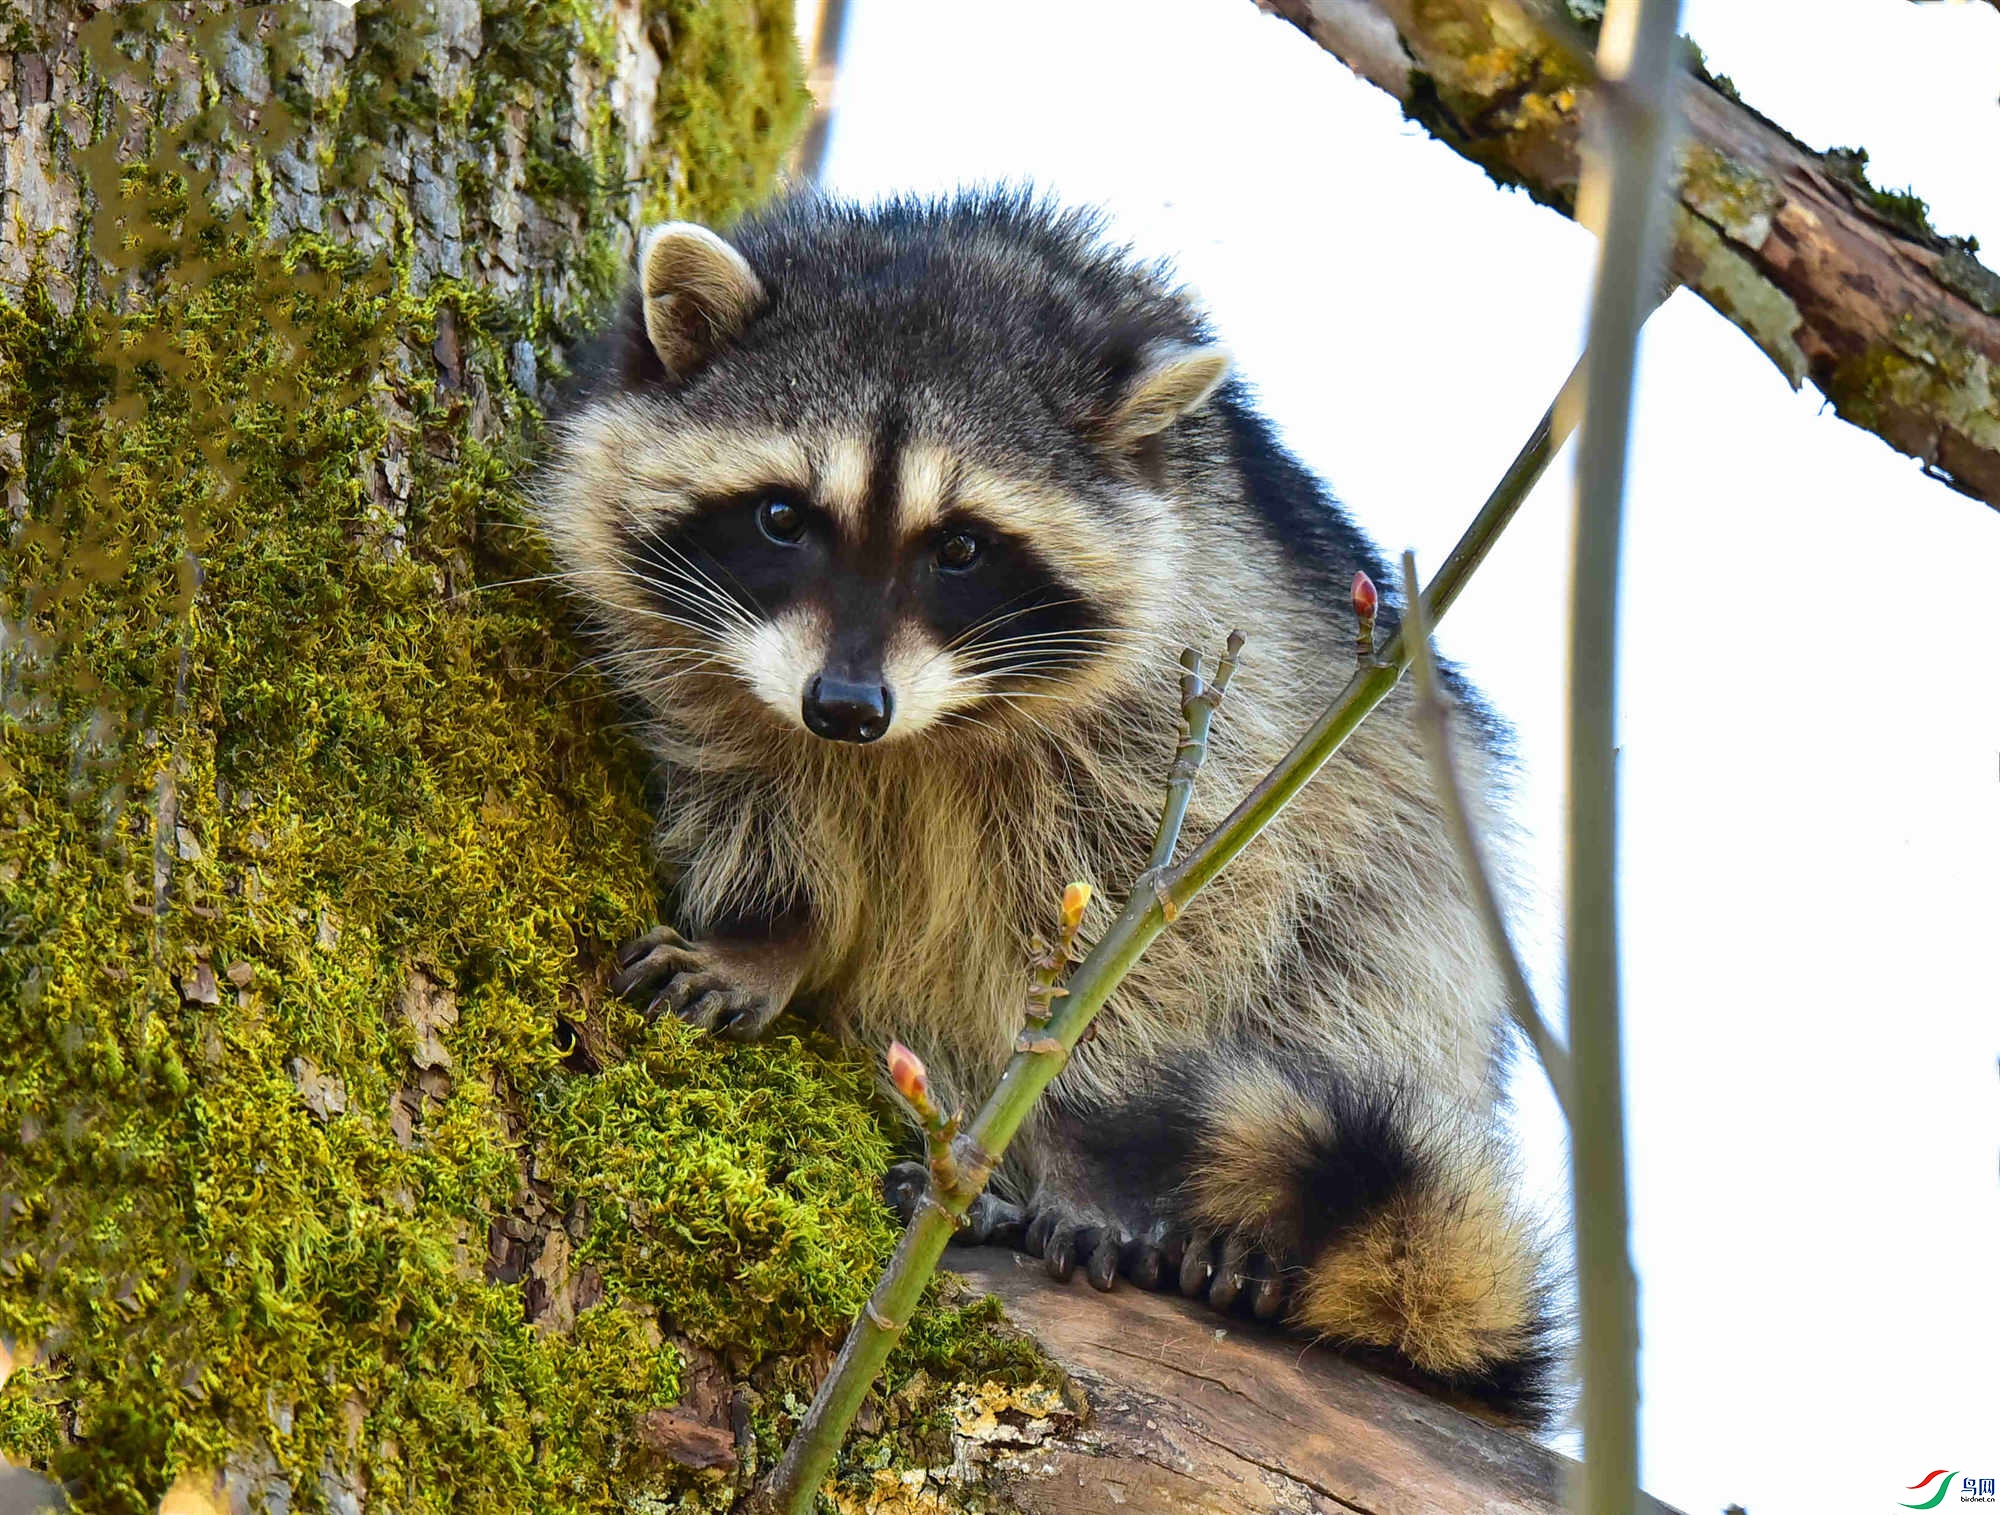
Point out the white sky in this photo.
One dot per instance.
(1811, 739)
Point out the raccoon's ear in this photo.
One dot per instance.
(699, 292)
(1171, 378)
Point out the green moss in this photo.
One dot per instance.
(1901, 208)
(723, 1185)
(29, 1426)
(729, 139)
(288, 753)
(1697, 64)
(1959, 271)
(1503, 94)
(1921, 382)
(17, 31)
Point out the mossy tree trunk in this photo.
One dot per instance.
(309, 844)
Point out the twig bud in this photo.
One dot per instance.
(1076, 898)
(911, 1078)
(1366, 602)
(1365, 598)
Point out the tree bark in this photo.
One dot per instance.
(1836, 280)
(309, 843)
(1180, 1410)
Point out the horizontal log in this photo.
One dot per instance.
(1192, 1412)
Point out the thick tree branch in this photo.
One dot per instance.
(1183, 1412)
(1837, 281)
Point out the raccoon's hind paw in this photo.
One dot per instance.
(1233, 1276)
(1063, 1239)
(707, 985)
(990, 1221)
(1150, 1253)
(1225, 1271)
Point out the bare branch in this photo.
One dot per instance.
(1836, 280)
(1198, 702)
(1434, 720)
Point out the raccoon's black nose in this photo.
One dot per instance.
(843, 712)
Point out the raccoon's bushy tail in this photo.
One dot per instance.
(1366, 1214)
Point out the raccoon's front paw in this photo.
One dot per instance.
(990, 1221)
(717, 987)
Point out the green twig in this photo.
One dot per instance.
(975, 1150)
(1373, 679)
(1435, 722)
(1638, 58)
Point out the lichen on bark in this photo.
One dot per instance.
(312, 833)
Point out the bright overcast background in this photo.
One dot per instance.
(1811, 735)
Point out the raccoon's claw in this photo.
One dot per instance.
(1197, 1265)
(1267, 1289)
(1227, 1273)
(1065, 1242)
(1153, 1260)
(645, 960)
(685, 979)
(1231, 1273)
(993, 1222)
(990, 1220)
(1102, 1270)
(711, 1001)
(1069, 1244)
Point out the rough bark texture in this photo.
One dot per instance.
(1836, 280)
(1181, 1412)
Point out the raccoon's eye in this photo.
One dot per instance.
(781, 521)
(958, 551)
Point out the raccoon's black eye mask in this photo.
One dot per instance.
(971, 587)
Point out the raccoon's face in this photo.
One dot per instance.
(864, 598)
(857, 565)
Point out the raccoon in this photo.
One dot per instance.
(892, 522)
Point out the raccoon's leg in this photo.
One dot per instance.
(732, 982)
(1359, 1209)
(1102, 1199)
